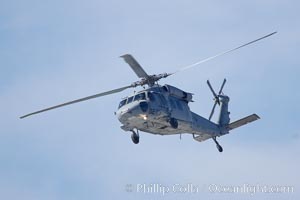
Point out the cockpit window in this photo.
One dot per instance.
(129, 99)
(122, 103)
(151, 96)
(140, 96)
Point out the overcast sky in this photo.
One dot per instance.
(59, 50)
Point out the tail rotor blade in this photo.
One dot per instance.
(211, 89)
(212, 111)
(217, 100)
(220, 91)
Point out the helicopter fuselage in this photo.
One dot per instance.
(163, 110)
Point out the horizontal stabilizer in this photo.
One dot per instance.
(243, 121)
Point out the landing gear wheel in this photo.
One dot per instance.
(219, 147)
(135, 137)
(174, 123)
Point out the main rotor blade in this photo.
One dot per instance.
(220, 54)
(78, 100)
(220, 91)
(212, 111)
(135, 66)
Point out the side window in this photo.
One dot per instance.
(143, 96)
(140, 96)
(122, 103)
(151, 96)
(130, 99)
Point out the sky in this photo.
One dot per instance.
(56, 51)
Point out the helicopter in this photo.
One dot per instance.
(164, 109)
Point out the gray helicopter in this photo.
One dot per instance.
(164, 109)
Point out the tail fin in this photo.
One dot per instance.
(243, 121)
(224, 113)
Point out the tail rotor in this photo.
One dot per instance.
(216, 96)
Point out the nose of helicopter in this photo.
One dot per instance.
(133, 110)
